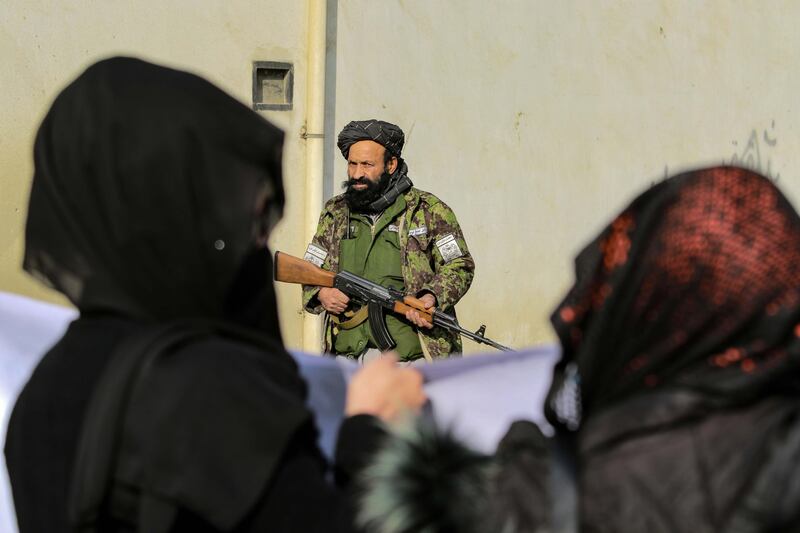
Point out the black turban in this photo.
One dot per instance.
(383, 133)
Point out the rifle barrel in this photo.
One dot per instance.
(480, 339)
(449, 322)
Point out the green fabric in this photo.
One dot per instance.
(373, 252)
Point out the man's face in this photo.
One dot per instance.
(365, 162)
(368, 175)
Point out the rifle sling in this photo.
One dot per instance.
(353, 318)
(377, 324)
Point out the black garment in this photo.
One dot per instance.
(47, 418)
(152, 198)
(733, 471)
(135, 458)
(680, 374)
(43, 429)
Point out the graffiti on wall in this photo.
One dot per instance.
(756, 153)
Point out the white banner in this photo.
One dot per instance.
(477, 397)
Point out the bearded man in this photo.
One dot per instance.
(389, 232)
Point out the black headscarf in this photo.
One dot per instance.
(386, 134)
(694, 287)
(145, 193)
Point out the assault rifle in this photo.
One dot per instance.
(292, 269)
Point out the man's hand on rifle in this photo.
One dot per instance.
(333, 300)
(414, 317)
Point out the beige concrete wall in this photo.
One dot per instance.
(537, 121)
(45, 44)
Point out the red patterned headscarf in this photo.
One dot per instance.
(695, 286)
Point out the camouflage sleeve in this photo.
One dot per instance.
(454, 267)
(323, 240)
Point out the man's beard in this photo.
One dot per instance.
(359, 201)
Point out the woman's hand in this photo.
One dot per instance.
(384, 390)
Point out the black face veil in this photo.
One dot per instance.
(150, 192)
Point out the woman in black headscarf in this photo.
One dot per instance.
(677, 399)
(680, 378)
(153, 196)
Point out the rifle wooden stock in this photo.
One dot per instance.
(416, 304)
(292, 269)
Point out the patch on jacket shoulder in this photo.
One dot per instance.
(393, 228)
(315, 254)
(448, 247)
(416, 232)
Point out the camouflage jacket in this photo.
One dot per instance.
(434, 256)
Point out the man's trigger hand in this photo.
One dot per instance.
(333, 300)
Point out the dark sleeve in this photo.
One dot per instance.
(772, 502)
(360, 437)
(301, 496)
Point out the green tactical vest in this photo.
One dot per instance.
(373, 252)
